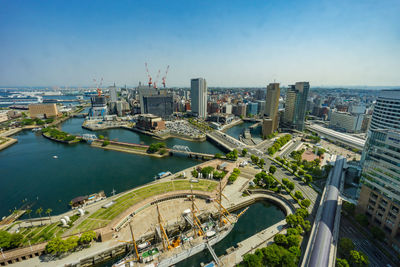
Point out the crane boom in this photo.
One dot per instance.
(148, 74)
(164, 78)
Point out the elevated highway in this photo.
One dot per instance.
(342, 138)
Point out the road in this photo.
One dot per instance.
(361, 242)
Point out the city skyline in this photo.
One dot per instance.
(228, 43)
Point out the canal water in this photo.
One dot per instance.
(258, 217)
(29, 171)
(237, 130)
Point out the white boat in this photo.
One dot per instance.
(55, 157)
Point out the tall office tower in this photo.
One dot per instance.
(272, 103)
(379, 197)
(113, 93)
(296, 103)
(386, 114)
(290, 103)
(302, 89)
(198, 95)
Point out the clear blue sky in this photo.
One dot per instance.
(230, 43)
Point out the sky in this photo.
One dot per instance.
(230, 43)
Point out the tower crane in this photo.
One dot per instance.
(156, 80)
(165, 76)
(98, 86)
(148, 75)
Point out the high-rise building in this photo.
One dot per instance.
(386, 114)
(272, 103)
(261, 107)
(379, 197)
(43, 110)
(156, 102)
(198, 95)
(113, 93)
(99, 106)
(296, 103)
(344, 121)
(252, 108)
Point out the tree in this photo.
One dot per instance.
(281, 240)
(195, 174)
(206, 171)
(290, 186)
(272, 255)
(87, 237)
(293, 240)
(308, 178)
(56, 246)
(244, 152)
(300, 172)
(298, 195)
(288, 259)
(294, 167)
(306, 203)
(292, 231)
(345, 246)
(29, 211)
(291, 220)
(218, 155)
(39, 211)
(302, 212)
(252, 260)
(48, 211)
(272, 169)
(358, 259)
(342, 263)
(72, 242)
(101, 136)
(105, 143)
(306, 225)
(350, 208)
(5, 239)
(295, 251)
(261, 163)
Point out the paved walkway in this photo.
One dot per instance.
(249, 245)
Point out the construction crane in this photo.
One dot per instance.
(164, 78)
(164, 236)
(148, 75)
(98, 86)
(196, 220)
(156, 80)
(132, 242)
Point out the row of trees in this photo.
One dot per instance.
(257, 161)
(279, 143)
(234, 175)
(349, 256)
(285, 251)
(58, 246)
(39, 212)
(233, 155)
(207, 171)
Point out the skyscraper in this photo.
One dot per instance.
(379, 197)
(198, 95)
(272, 103)
(295, 106)
(386, 114)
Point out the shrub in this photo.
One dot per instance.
(306, 203)
(105, 143)
(298, 195)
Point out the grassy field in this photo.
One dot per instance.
(102, 216)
